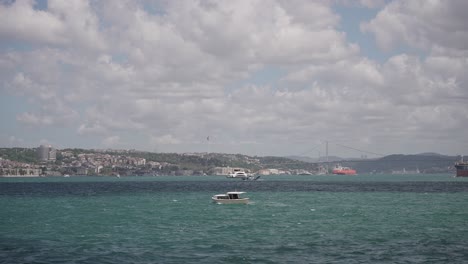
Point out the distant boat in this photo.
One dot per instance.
(339, 170)
(237, 173)
(66, 175)
(230, 198)
(462, 168)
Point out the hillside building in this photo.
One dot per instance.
(46, 153)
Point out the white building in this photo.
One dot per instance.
(46, 153)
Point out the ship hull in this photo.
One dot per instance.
(462, 170)
(344, 172)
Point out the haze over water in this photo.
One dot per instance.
(292, 219)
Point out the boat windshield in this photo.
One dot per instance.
(233, 196)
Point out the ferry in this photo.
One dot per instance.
(343, 170)
(462, 168)
(230, 198)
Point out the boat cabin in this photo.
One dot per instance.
(229, 195)
(230, 198)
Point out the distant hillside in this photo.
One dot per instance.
(204, 161)
(430, 154)
(284, 163)
(425, 163)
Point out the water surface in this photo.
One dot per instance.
(292, 219)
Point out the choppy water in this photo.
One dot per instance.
(325, 219)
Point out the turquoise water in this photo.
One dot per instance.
(292, 219)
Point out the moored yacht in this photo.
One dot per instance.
(237, 173)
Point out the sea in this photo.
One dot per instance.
(290, 219)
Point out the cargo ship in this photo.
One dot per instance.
(343, 170)
(462, 168)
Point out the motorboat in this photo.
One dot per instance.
(230, 198)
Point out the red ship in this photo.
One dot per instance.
(343, 170)
(462, 168)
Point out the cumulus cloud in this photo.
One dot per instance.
(19, 20)
(164, 140)
(168, 76)
(438, 26)
(111, 142)
(51, 109)
(363, 3)
(63, 23)
(372, 3)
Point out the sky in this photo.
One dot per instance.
(256, 77)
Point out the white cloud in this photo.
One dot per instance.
(65, 23)
(438, 26)
(11, 141)
(21, 21)
(44, 141)
(92, 129)
(111, 142)
(164, 140)
(170, 78)
(34, 119)
(15, 141)
(363, 3)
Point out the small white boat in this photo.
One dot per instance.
(230, 198)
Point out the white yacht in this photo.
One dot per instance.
(230, 198)
(237, 173)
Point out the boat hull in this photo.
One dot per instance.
(231, 201)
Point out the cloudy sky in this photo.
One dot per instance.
(257, 77)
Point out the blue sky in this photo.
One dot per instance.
(351, 18)
(259, 77)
